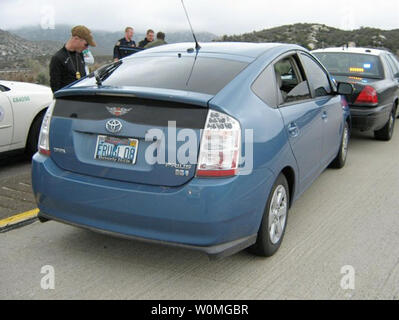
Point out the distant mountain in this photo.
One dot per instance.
(313, 36)
(14, 49)
(105, 39)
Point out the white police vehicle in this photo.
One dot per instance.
(22, 107)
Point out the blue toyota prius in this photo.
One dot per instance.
(201, 148)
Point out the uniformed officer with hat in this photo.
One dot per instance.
(125, 46)
(68, 65)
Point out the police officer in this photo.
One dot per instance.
(125, 46)
(68, 65)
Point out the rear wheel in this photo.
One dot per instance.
(31, 145)
(386, 133)
(274, 221)
(340, 160)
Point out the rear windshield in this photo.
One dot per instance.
(202, 75)
(351, 64)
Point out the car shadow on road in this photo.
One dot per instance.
(364, 141)
(13, 163)
(112, 249)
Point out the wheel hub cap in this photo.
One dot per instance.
(278, 214)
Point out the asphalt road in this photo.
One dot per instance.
(348, 217)
(15, 186)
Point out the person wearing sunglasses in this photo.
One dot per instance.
(68, 64)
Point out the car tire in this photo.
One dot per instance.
(340, 161)
(33, 137)
(268, 240)
(386, 133)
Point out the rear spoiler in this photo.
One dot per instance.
(186, 97)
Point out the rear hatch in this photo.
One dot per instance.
(79, 126)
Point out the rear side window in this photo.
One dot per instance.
(202, 75)
(352, 64)
(317, 77)
(393, 63)
(265, 87)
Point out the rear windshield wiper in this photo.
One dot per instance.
(104, 72)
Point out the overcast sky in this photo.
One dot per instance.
(216, 16)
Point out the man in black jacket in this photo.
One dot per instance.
(68, 65)
(149, 38)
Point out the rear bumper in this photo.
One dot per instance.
(366, 119)
(216, 216)
(214, 252)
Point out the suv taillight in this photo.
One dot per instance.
(44, 140)
(220, 146)
(367, 96)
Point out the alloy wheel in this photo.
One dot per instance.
(278, 214)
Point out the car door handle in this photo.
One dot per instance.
(324, 115)
(293, 129)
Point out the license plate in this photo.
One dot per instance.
(120, 150)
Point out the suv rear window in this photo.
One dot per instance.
(202, 75)
(351, 64)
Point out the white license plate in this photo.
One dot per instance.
(120, 150)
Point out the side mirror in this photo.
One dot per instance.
(345, 88)
(396, 75)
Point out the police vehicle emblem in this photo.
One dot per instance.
(113, 126)
(118, 111)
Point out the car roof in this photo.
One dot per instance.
(370, 51)
(247, 49)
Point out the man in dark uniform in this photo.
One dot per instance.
(149, 38)
(159, 42)
(125, 46)
(68, 65)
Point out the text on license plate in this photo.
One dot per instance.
(122, 150)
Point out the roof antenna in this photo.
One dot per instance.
(197, 46)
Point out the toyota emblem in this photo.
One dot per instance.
(113, 126)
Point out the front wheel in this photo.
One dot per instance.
(274, 221)
(340, 161)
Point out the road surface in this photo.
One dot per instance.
(342, 242)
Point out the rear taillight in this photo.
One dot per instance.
(367, 96)
(44, 141)
(220, 146)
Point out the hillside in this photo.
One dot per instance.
(105, 39)
(314, 36)
(25, 53)
(15, 50)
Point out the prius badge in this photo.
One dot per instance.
(118, 111)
